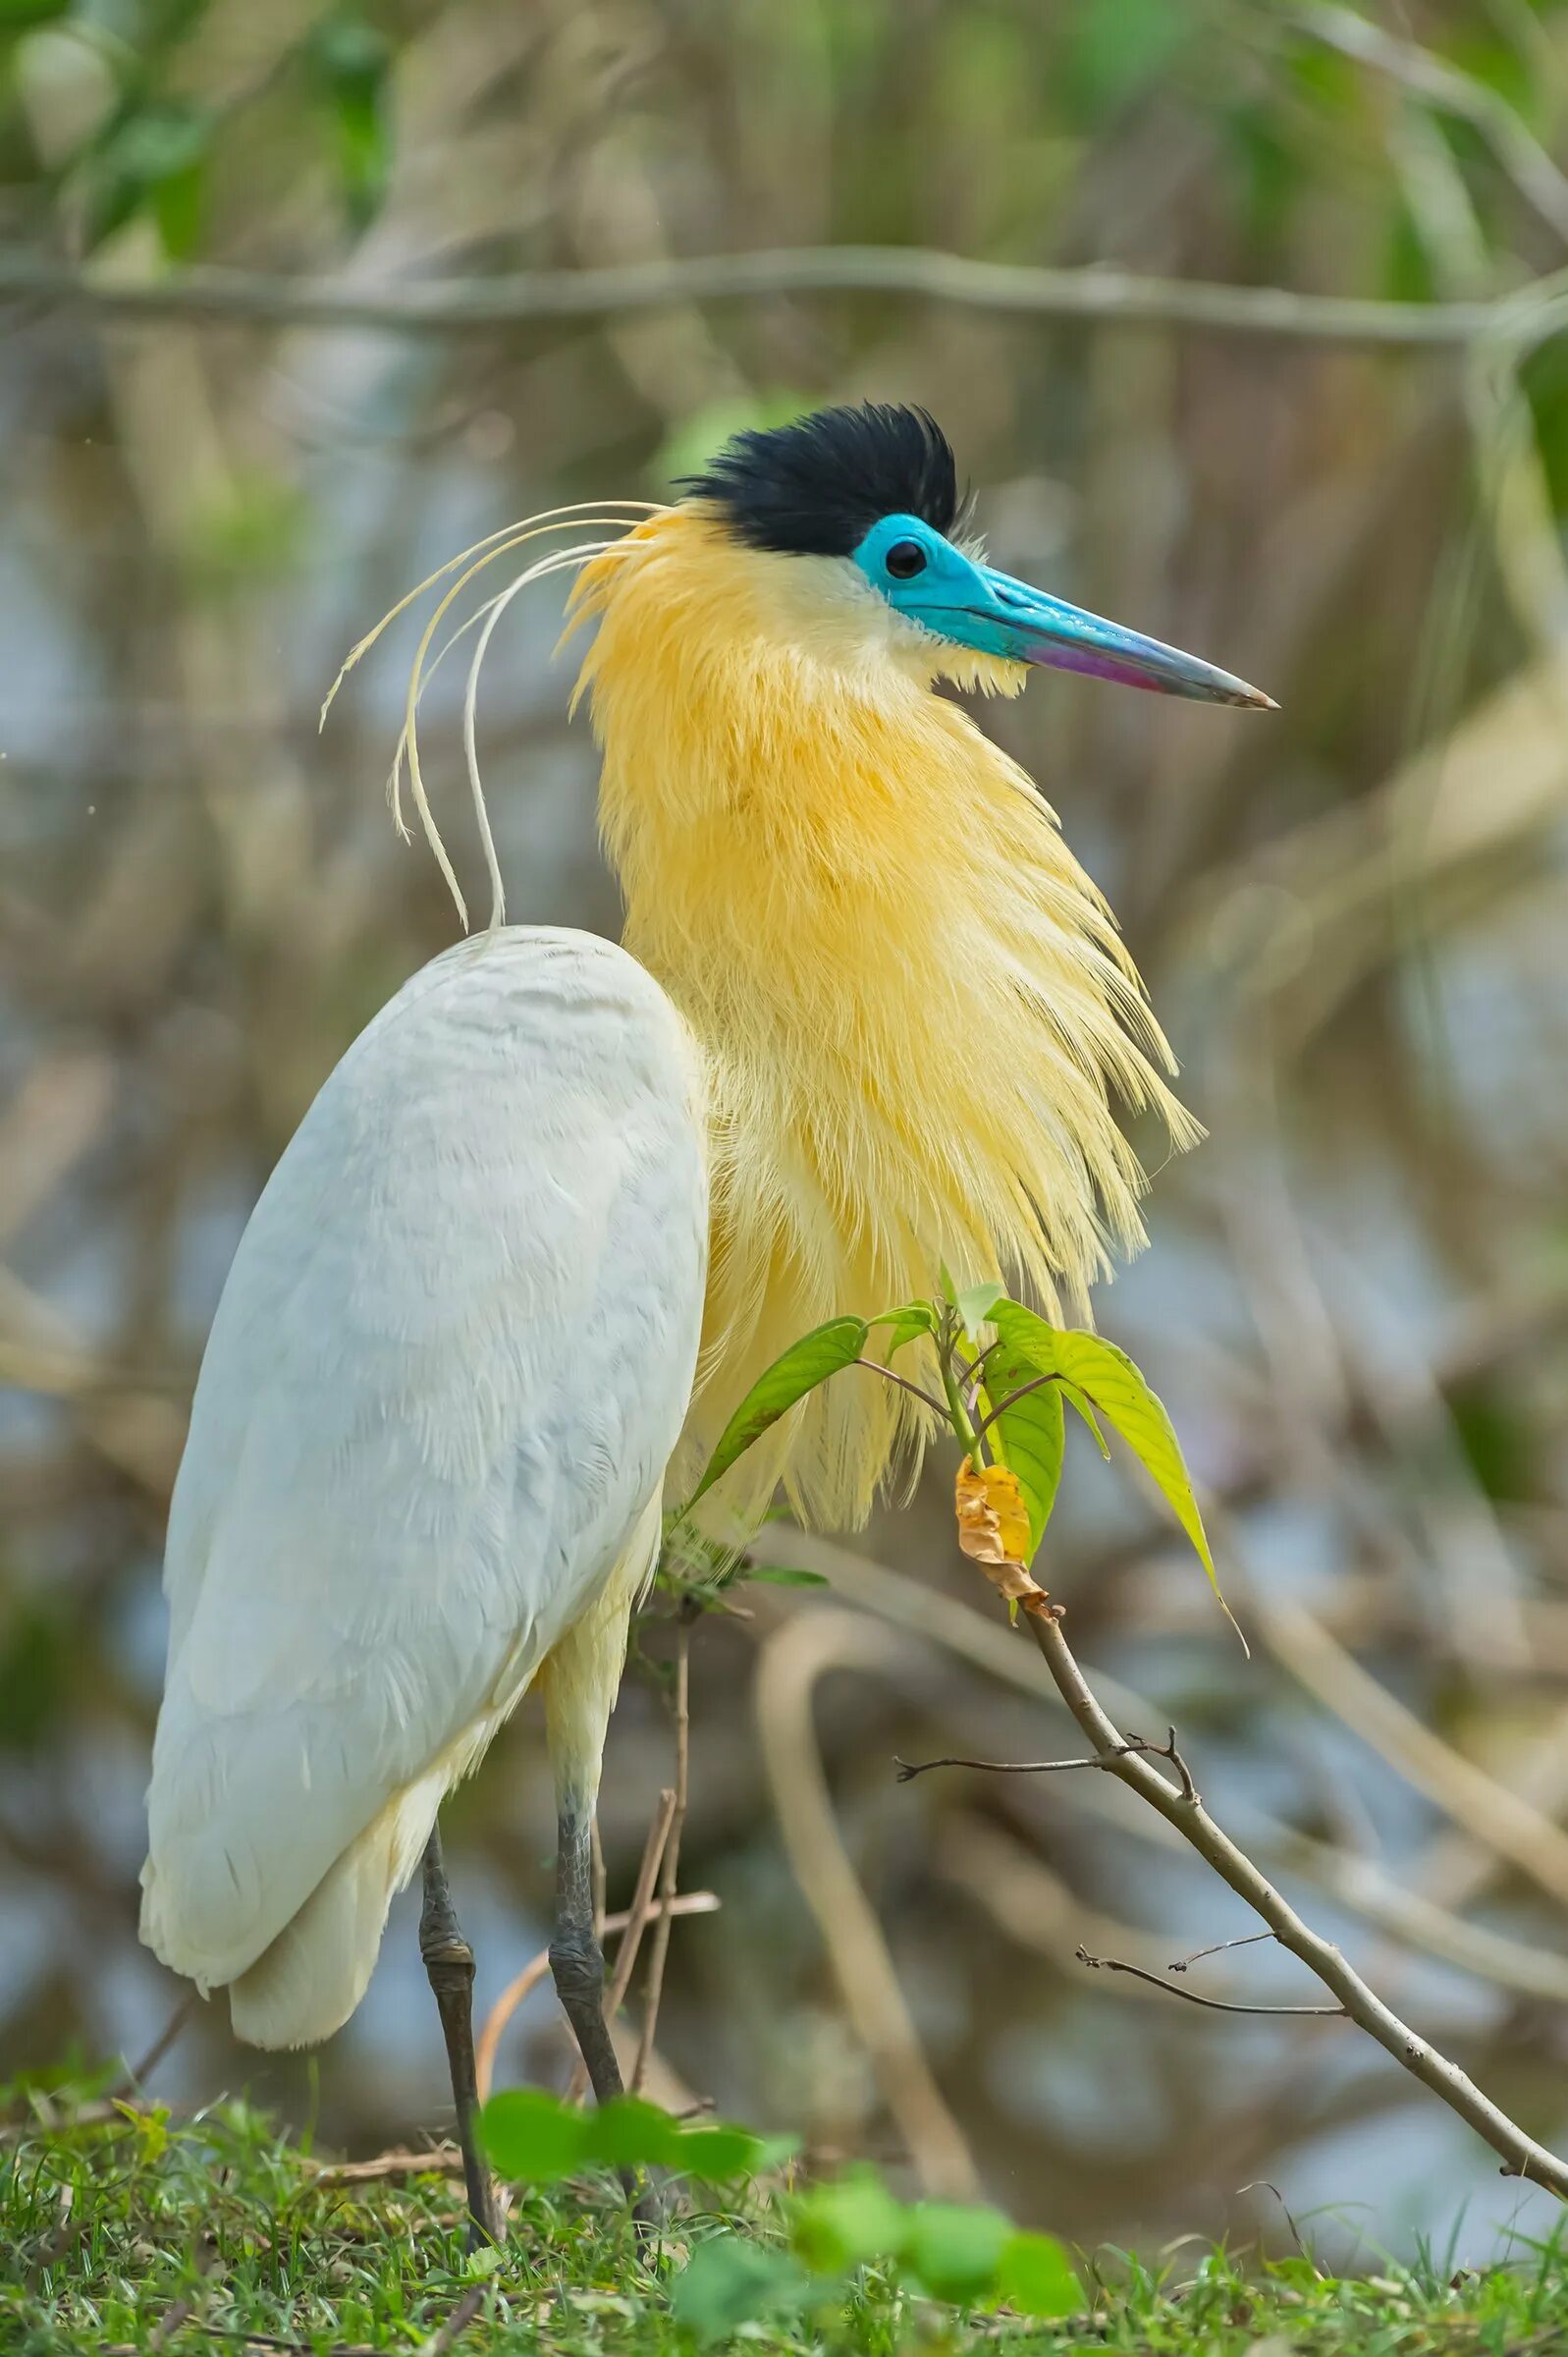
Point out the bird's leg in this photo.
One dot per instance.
(576, 1957)
(449, 1963)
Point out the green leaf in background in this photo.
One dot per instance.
(1116, 1390)
(729, 2281)
(155, 161)
(531, 2136)
(953, 2250)
(352, 62)
(847, 2223)
(1035, 2276)
(826, 1350)
(786, 1575)
(1029, 1431)
(694, 441)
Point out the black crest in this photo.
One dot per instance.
(815, 487)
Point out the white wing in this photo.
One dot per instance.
(446, 1372)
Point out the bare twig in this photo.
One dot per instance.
(1219, 1947)
(908, 1769)
(1355, 1882)
(211, 295)
(1521, 2156)
(690, 1902)
(658, 1952)
(1211, 2004)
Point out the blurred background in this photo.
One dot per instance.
(1351, 917)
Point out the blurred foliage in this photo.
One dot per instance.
(1351, 917)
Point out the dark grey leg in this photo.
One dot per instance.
(448, 1962)
(575, 1956)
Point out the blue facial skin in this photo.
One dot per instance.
(928, 582)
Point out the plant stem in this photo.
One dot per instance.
(659, 1947)
(1184, 1810)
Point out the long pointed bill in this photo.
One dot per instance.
(1029, 627)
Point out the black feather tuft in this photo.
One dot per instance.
(815, 487)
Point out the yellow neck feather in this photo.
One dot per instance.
(913, 1003)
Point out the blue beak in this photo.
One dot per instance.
(933, 583)
(1009, 617)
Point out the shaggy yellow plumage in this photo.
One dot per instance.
(914, 1006)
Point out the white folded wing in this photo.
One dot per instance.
(449, 1367)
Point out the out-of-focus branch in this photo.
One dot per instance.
(1183, 1809)
(213, 294)
(801, 1652)
(1451, 91)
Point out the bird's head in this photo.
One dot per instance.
(854, 530)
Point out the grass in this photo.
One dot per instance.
(136, 2234)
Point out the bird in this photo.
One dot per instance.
(564, 1199)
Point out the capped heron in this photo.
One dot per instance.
(870, 1016)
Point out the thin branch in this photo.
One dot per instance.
(212, 293)
(1210, 2005)
(1037, 1384)
(908, 1769)
(1247, 1939)
(1521, 2156)
(875, 1368)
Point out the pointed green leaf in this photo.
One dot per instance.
(914, 1319)
(824, 1351)
(1075, 1400)
(784, 1575)
(1116, 1390)
(1035, 2276)
(975, 1305)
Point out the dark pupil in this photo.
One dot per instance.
(905, 559)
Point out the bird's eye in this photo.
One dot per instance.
(904, 560)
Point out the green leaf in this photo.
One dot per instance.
(1116, 1390)
(1030, 1431)
(155, 160)
(1035, 2276)
(1075, 1400)
(353, 60)
(826, 1350)
(718, 2154)
(629, 2133)
(914, 1319)
(730, 2281)
(955, 2251)
(531, 2136)
(975, 1305)
(781, 1576)
(845, 2223)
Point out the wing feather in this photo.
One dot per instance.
(446, 1372)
